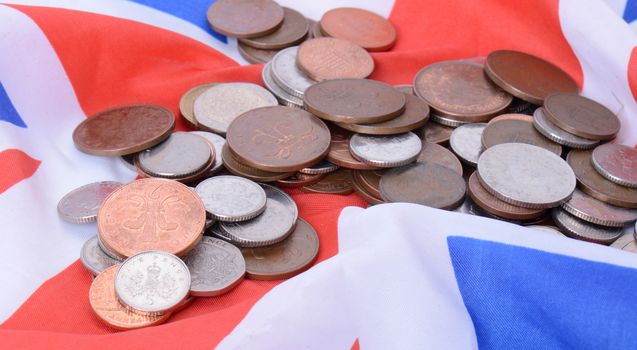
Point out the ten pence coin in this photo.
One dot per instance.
(81, 205)
(187, 101)
(436, 154)
(337, 182)
(292, 31)
(364, 28)
(231, 198)
(581, 116)
(245, 18)
(618, 163)
(519, 130)
(330, 58)
(578, 229)
(555, 134)
(597, 212)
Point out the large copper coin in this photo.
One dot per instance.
(364, 28)
(337, 182)
(581, 116)
(340, 154)
(428, 184)
(291, 32)
(124, 130)
(618, 163)
(461, 91)
(254, 55)
(436, 154)
(187, 102)
(233, 165)
(359, 101)
(363, 192)
(595, 185)
(369, 180)
(151, 214)
(518, 129)
(527, 77)
(285, 259)
(245, 18)
(278, 138)
(329, 58)
(435, 133)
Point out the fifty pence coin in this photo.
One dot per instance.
(292, 31)
(81, 205)
(517, 129)
(287, 74)
(182, 154)
(618, 163)
(581, 116)
(385, 151)
(364, 28)
(331, 58)
(597, 212)
(245, 18)
(466, 142)
(555, 134)
(94, 259)
(578, 229)
(434, 153)
(217, 142)
(284, 97)
(231, 198)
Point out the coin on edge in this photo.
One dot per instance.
(466, 142)
(581, 116)
(337, 182)
(617, 163)
(364, 28)
(245, 18)
(292, 31)
(94, 259)
(386, 151)
(555, 134)
(81, 205)
(231, 198)
(517, 129)
(330, 58)
(578, 229)
(597, 212)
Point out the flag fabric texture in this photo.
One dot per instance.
(392, 276)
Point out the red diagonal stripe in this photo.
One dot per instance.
(15, 166)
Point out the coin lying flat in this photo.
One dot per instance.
(81, 205)
(187, 101)
(337, 182)
(231, 198)
(618, 163)
(597, 212)
(466, 142)
(182, 154)
(581, 116)
(217, 142)
(435, 133)
(284, 97)
(292, 31)
(287, 74)
(215, 267)
(323, 167)
(254, 55)
(555, 134)
(245, 18)
(578, 229)
(525, 175)
(330, 58)
(124, 130)
(94, 259)
(237, 168)
(386, 151)
(364, 28)
(519, 129)
(436, 154)
(626, 242)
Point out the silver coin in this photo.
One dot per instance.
(617, 163)
(274, 225)
(152, 282)
(94, 258)
(557, 135)
(217, 142)
(109, 252)
(216, 232)
(626, 242)
(446, 121)
(287, 75)
(323, 167)
(219, 105)
(231, 198)
(579, 229)
(385, 151)
(215, 267)
(466, 142)
(597, 212)
(182, 154)
(81, 205)
(525, 175)
(547, 229)
(283, 96)
(209, 222)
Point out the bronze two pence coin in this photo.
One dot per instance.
(278, 138)
(330, 58)
(337, 182)
(292, 31)
(245, 18)
(234, 166)
(359, 101)
(364, 28)
(436, 154)
(519, 128)
(124, 130)
(581, 116)
(527, 77)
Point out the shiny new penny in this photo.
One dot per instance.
(364, 28)
(423, 183)
(231, 198)
(254, 55)
(284, 259)
(337, 182)
(466, 142)
(436, 154)
(292, 31)
(359, 101)
(237, 168)
(299, 180)
(94, 259)
(555, 134)
(460, 90)
(187, 102)
(578, 229)
(182, 154)
(217, 142)
(618, 163)
(626, 242)
(362, 191)
(124, 130)
(369, 180)
(80, 206)
(581, 116)
(520, 130)
(597, 212)
(330, 58)
(287, 75)
(245, 18)
(527, 77)
(385, 151)
(435, 133)
(284, 97)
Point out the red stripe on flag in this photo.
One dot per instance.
(15, 166)
(632, 72)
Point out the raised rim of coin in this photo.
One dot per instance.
(434, 133)
(322, 167)
(287, 74)
(597, 212)
(255, 56)
(336, 182)
(181, 155)
(386, 151)
(80, 206)
(94, 259)
(581, 116)
(220, 196)
(330, 58)
(582, 230)
(434, 153)
(557, 135)
(518, 128)
(187, 101)
(299, 179)
(281, 94)
(237, 168)
(362, 191)
(466, 142)
(446, 121)
(617, 163)
(245, 18)
(292, 31)
(217, 142)
(362, 27)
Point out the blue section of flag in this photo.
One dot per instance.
(7, 111)
(193, 11)
(630, 11)
(521, 298)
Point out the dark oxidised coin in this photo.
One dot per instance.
(330, 58)
(291, 32)
(337, 182)
(519, 129)
(364, 28)
(581, 116)
(245, 18)
(436, 154)
(369, 180)
(236, 167)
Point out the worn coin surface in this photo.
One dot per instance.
(217, 142)
(385, 151)
(581, 116)
(520, 130)
(364, 28)
(597, 212)
(364, 193)
(466, 142)
(435, 133)
(525, 175)
(81, 205)
(218, 106)
(330, 58)
(94, 259)
(284, 97)
(626, 242)
(578, 229)
(215, 267)
(323, 167)
(245, 18)
(434, 153)
(124, 130)
(231, 198)
(405, 89)
(182, 154)
(284, 259)
(337, 182)
(616, 162)
(188, 100)
(369, 181)
(555, 134)
(287, 74)
(236, 167)
(292, 31)
(254, 55)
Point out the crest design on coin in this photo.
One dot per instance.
(231, 198)
(81, 205)
(386, 151)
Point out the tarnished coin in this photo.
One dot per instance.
(423, 183)
(520, 130)
(466, 142)
(245, 18)
(578, 229)
(237, 168)
(436, 154)
(363, 192)
(385, 151)
(330, 58)
(292, 31)
(447, 121)
(152, 282)
(581, 116)
(80, 206)
(299, 180)
(215, 267)
(124, 130)
(284, 259)
(217, 142)
(340, 154)
(435, 133)
(94, 259)
(597, 212)
(323, 167)
(364, 28)
(460, 90)
(279, 139)
(274, 225)
(182, 154)
(525, 175)
(218, 106)
(618, 163)
(547, 229)
(626, 242)
(369, 181)
(284, 97)
(527, 77)
(555, 134)
(231, 198)
(254, 55)
(187, 102)
(337, 182)
(359, 101)
(287, 74)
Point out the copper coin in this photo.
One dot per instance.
(233, 165)
(284, 259)
(187, 102)
(428, 184)
(359, 101)
(435, 133)
(245, 18)
(405, 89)
(369, 180)
(495, 206)
(362, 191)
(124, 130)
(618, 163)
(436, 154)
(300, 180)
(278, 138)
(597, 212)
(337, 182)
(581, 116)
(292, 31)
(340, 154)
(595, 185)
(364, 28)
(519, 130)
(330, 58)
(460, 90)
(415, 115)
(256, 56)
(527, 77)
(151, 214)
